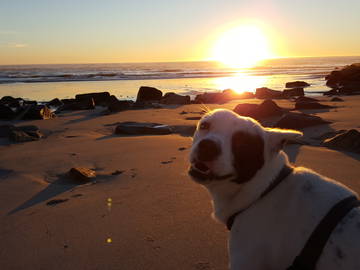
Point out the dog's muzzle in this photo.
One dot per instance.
(201, 173)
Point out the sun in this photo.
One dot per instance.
(242, 47)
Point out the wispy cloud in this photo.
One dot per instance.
(16, 45)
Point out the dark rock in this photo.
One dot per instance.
(81, 174)
(86, 104)
(333, 92)
(299, 120)
(336, 99)
(30, 102)
(147, 93)
(295, 92)
(306, 99)
(172, 98)
(267, 93)
(348, 77)
(296, 84)
(347, 141)
(6, 113)
(117, 172)
(211, 98)
(266, 109)
(100, 99)
(38, 112)
(68, 100)
(116, 105)
(11, 102)
(55, 103)
(135, 128)
(18, 136)
(5, 130)
(311, 106)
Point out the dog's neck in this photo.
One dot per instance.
(229, 197)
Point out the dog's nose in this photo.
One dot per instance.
(207, 150)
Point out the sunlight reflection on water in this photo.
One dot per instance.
(242, 82)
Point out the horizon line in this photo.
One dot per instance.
(179, 61)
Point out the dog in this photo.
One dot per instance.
(237, 160)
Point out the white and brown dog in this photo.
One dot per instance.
(273, 208)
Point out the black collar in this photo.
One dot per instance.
(285, 171)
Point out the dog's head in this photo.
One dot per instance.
(227, 146)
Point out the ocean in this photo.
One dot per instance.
(45, 82)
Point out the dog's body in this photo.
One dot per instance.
(237, 159)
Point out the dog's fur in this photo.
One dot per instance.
(271, 231)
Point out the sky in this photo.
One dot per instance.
(109, 31)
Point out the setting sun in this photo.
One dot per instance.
(241, 47)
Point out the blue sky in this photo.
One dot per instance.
(81, 31)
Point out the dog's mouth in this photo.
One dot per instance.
(201, 172)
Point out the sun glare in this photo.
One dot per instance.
(242, 47)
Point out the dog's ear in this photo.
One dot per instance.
(278, 137)
(248, 153)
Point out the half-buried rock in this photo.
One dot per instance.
(82, 175)
(311, 106)
(299, 120)
(348, 141)
(266, 109)
(137, 128)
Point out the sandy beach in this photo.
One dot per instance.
(142, 211)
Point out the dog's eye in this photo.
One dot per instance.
(205, 126)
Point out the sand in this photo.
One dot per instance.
(150, 216)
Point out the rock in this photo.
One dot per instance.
(336, 99)
(333, 92)
(86, 104)
(38, 112)
(6, 113)
(267, 93)
(18, 136)
(5, 130)
(172, 98)
(210, 98)
(306, 99)
(11, 102)
(294, 92)
(23, 133)
(294, 120)
(68, 100)
(136, 128)
(55, 103)
(80, 174)
(311, 106)
(349, 77)
(266, 109)
(100, 99)
(347, 141)
(119, 105)
(30, 102)
(296, 84)
(148, 94)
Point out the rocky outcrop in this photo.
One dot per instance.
(259, 112)
(296, 84)
(267, 93)
(294, 92)
(21, 133)
(347, 141)
(100, 98)
(345, 80)
(119, 105)
(336, 99)
(55, 103)
(35, 112)
(173, 99)
(6, 113)
(298, 121)
(74, 105)
(82, 175)
(221, 97)
(148, 94)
